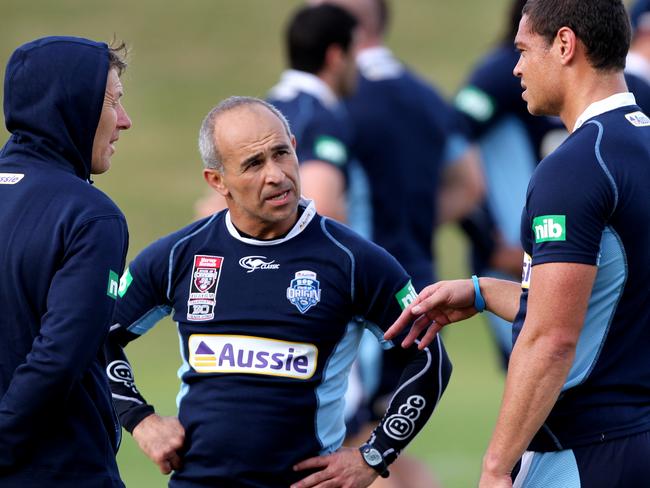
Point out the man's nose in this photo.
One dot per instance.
(123, 120)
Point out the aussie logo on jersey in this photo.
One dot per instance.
(221, 353)
(304, 290)
(203, 287)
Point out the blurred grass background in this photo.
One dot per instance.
(186, 56)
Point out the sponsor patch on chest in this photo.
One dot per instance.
(10, 178)
(220, 353)
(204, 282)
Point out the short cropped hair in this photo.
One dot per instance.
(601, 25)
(117, 55)
(208, 146)
(314, 29)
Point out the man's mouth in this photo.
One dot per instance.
(279, 196)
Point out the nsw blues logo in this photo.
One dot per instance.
(304, 290)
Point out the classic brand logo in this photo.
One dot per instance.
(10, 178)
(217, 353)
(406, 295)
(549, 228)
(304, 290)
(252, 263)
(203, 287)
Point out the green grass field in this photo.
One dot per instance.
(186, 57)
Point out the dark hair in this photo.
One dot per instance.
(601, 25)
(117, 54)
(314, 29)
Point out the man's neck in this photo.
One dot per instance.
(583, 91)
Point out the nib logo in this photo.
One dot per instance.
(549, 228)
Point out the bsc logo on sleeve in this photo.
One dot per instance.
(549, 228)
(113, 284)
(406, 295)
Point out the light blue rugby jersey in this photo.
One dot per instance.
(589, 202)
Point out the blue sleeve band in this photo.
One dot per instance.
(479, 301)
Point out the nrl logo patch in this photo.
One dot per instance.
(252, 263)
(304, 290)
(203, 287)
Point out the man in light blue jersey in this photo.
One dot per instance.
(576, 407)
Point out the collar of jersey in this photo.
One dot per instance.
(378, 63)
(301, 224)
(293, 82)
(608, 104)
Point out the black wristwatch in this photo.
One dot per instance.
(374, 459)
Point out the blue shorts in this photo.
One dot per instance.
(623, 462)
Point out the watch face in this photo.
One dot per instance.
(372, 456)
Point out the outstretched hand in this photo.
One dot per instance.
(437, 305)
(344, 468)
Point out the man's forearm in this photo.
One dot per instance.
(501, 297)
(537, 370)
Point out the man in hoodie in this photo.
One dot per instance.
(62, 247)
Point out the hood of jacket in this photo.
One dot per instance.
(53, 95)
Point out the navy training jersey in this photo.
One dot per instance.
(404, 134)
(588, 203)
(267, 342)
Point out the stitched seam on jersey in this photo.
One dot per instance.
(553, 437)
(323, 449)
(137, 327)
(126, 398)
(346, 250)
(415, 377)
(178, 243)
(614, 308)
(378, 332)
(185, 367)
(604, 167)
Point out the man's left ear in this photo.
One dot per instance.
(566, 42)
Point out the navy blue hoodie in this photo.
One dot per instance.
(62, 245)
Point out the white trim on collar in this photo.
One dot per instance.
(292, 82)
(306, 217)
(613, 102)
(378, 62)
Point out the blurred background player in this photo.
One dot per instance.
(418, 171)
(638, 58)
(320, 45)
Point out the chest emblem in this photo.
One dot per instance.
(206, 271)
(304, 290)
